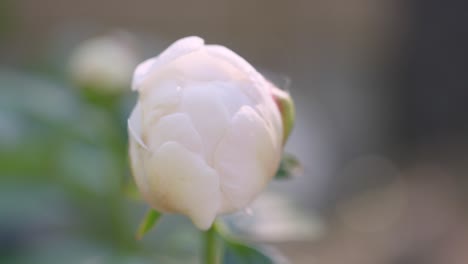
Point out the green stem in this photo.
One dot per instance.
(212, 250)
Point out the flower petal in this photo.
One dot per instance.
(225, 54)
(164, 99)
(183, 183)
(140, 73)
(200, 66)
(178, 128)
(208, 114)
(134, 126)
(177, 49)
(246, 159)
(137, 164)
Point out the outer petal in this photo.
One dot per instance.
(137, 163)
(177, 49)
(208, 114)
(246, 159)
(200, 66)
(135, 126)
(182, 182)
(137, 151)
(230, 95)
(255, 86)
(253, 81)
(163, 99)
(269, 112)
(228, 55)
(140, 72)
(178, 128)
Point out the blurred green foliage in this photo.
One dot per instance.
(63, 164)
(65, 179)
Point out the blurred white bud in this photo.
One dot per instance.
(104, 63)
(206, 135)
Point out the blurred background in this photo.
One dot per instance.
(381, 90)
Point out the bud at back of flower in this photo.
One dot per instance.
(104, 64)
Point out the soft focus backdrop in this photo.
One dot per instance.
(381, 89)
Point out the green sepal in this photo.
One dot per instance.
(289, 167)
(148, 222)
(287, 110)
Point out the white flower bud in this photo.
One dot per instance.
(105, 63)
(206, 135)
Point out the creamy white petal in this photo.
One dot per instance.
(141, 72)
(179, 48)
(135, 127)
(183, 183)
(270, 114)
(178, 128)
(176, 50)
(138, 151)
(137, 164)
(208, 114)
(200, 66)
(246, 159)
(231, 97)
(163, 99)
(231, 57)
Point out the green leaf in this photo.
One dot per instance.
(289, 167)
(237, 252)
(151, 218)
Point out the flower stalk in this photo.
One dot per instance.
(212, 247)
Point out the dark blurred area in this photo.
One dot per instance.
(381, 90)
